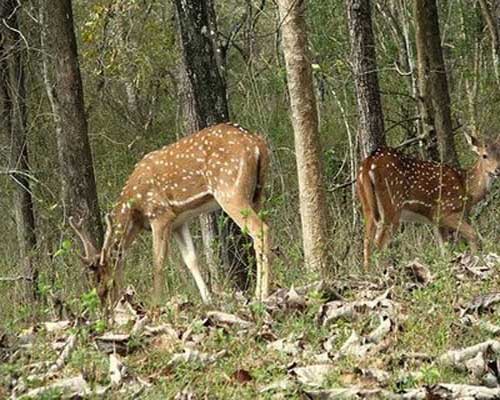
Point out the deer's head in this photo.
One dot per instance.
(99, 264)
(489, 155)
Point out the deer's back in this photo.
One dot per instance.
(186, 174)
(421, 187)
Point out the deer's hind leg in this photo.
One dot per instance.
(241, 211)
(370, 216)
(458, 223)
(388, 210)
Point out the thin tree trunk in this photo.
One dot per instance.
(494, 35)
(433, 81)
(205, 105)
(472, 85)
(14, 121)
(371, 119)
(312, 197)
(424, 97)
(74, 154)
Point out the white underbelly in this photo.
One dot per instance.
(187, 215)
(410, 216)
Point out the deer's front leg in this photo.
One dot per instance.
(161, 235)
(188, 252)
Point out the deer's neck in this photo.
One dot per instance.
(478, 183)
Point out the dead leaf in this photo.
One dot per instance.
(482, 303)
(113, 343)
(190, 356)
(65, 353)
(241, 376)
(127, 309)
(471, 320)
(290, 345)
(276, 386)
(56, 326)
(218, 318)
(460, 391)
(376, 375)
(74, 386)
(419, 272)
(354, 346)
(473, 266)
(312, 375)
(185, 394)
(457, 358)
(381, 331)
(116, 370)
(333, 310)
(349, 393)
(161, 329)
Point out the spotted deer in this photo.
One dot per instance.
(393, 187)
(223, 166)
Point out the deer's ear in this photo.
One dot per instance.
(473, 143)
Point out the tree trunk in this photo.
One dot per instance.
(424, 97)
(14, 118)
(312, 197)
(205, 102)
(489, 18)
(75, 158)
(472, 83)
(371, 119)
(433, 82)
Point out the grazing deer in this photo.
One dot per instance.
(220, 166)
(393, 187)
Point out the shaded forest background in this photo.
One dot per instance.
(133, 86)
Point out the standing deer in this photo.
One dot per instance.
(393, 187)
(220, 166)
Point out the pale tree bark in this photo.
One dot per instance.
(13, 124)
(433, 82)
(493, 29)
(205, 103)
(312, 197)
(371, 119)
(74, 154)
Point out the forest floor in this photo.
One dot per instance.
(415, 331)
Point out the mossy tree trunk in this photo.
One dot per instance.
(433, 83)
(371, 118)
(79, 195)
